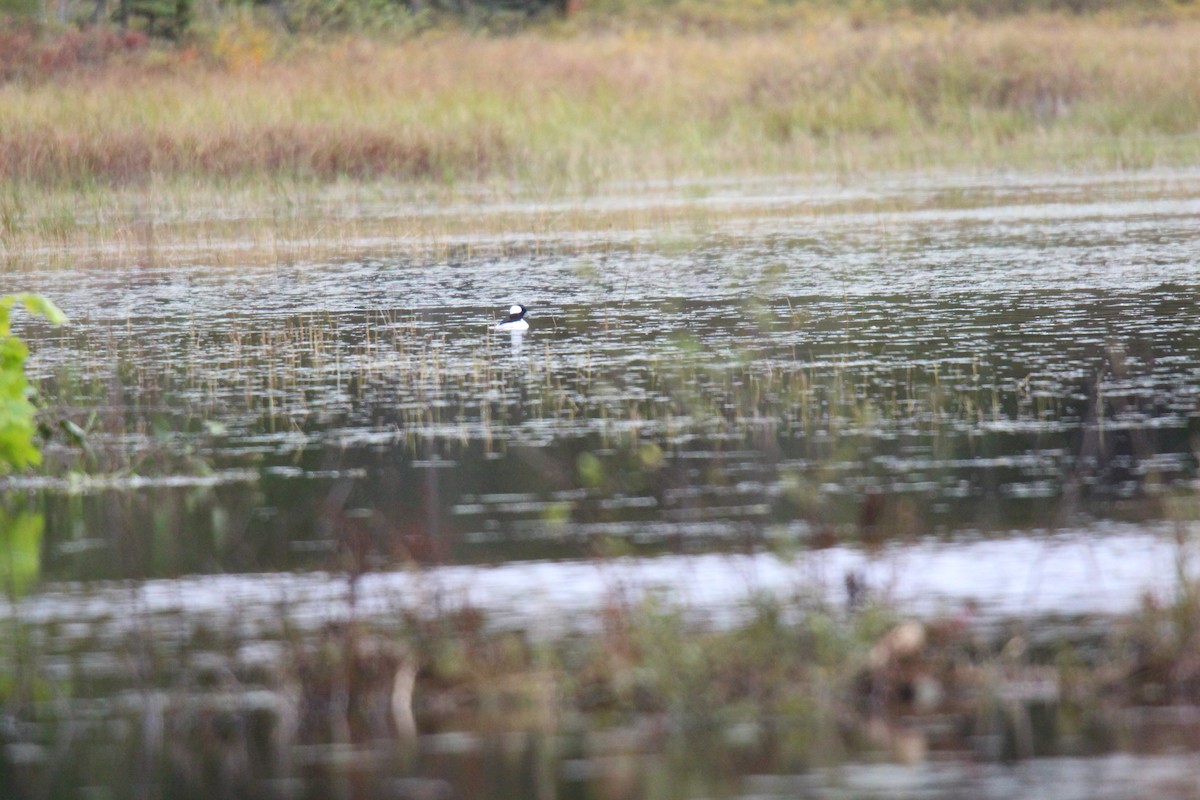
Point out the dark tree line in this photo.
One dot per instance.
(173, 18)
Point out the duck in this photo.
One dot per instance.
(515, 321)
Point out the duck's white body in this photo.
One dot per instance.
(515, 321)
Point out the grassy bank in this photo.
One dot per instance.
(567, 109)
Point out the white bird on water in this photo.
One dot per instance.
(515, 321)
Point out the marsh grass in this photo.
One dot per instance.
(352, 144)
(578, 107)
(323, 364)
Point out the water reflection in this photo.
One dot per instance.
(517, 342)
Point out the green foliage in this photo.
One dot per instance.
(20, 8)
(311, 16)
(17, 425)
(20, 535)
(167, 18)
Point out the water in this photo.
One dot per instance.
(967, 370)
(961, 393)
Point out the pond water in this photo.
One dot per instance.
(991, 360)
(946, 391)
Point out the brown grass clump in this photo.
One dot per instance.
(289, 150)
(27, 55)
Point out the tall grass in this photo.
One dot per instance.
(569, 109)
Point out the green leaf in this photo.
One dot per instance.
(42, 307)
(17, 413)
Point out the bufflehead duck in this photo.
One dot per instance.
(515, 321)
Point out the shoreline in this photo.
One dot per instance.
(191, 226)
